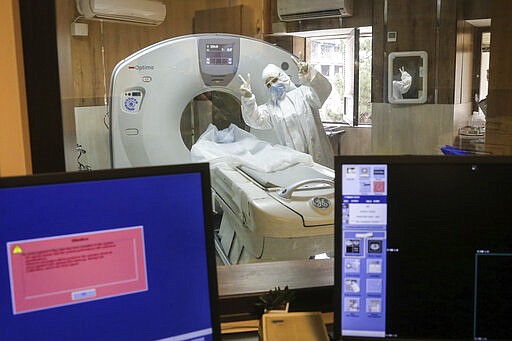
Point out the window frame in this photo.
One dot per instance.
(359, 32)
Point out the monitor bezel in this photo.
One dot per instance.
(122, 173)
(340, 160)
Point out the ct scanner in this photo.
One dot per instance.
(165, 96)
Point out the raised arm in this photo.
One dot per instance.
(254, 116)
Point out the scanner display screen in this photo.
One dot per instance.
(423, 247)
(219, 54)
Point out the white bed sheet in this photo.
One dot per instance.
(236, 147)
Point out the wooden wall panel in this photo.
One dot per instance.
(476, 9)
(459, 47)
(415, 23)
(205, 19)
(445, 58)
(234, 19)
(183, 12)
(418, 29)
(379, 55)
(499, 115)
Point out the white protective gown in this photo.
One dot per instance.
(295, 117)
(402, 86)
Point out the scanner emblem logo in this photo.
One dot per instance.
(321, 203)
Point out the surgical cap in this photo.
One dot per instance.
(273, 71)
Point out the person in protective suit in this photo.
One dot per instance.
(292, 111)
(402, 86)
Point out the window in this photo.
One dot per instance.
(334, 57)
(325, 70)
(365, 80)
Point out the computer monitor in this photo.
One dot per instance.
(122, 254)
(423, 247)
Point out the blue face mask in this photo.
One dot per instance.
(277, 91)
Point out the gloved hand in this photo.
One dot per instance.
(302, 66)
(245, 88)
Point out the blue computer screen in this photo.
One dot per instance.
(107, 257)
(423, 247)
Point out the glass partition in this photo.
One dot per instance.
(89, 49)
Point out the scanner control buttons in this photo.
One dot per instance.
(130, 104)
(131, 100)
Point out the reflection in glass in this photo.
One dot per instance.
(408, 73)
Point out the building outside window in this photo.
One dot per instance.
(335, 57)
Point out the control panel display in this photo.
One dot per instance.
(219, 54)
(218, 59)
(364, 230)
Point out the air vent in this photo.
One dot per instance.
(293, 10)
(312, 15)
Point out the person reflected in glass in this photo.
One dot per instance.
(402, 86)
